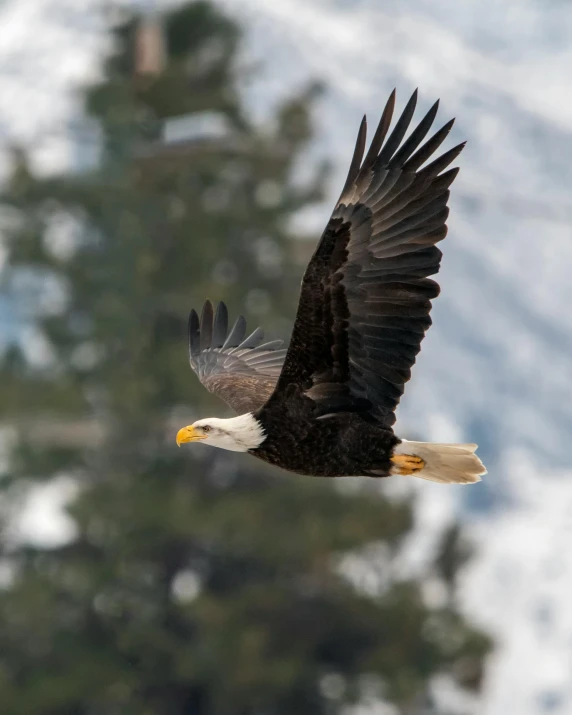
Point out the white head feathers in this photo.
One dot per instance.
(238, 434)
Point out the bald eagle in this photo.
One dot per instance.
(325, 406)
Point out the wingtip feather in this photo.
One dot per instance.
(194, 334)
(220, 327)
(206, 329)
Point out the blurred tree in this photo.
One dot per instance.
(197, 582)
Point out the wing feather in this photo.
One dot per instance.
(366, 295)
(236, 335)
(241, 370)
(220, 327)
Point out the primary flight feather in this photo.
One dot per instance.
(325, 406)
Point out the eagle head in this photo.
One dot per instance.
(238, 434)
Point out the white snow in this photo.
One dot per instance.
(519, 588)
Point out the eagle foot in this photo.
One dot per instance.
(406, 464)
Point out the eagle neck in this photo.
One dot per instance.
(246, 430)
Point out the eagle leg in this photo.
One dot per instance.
(406, 464)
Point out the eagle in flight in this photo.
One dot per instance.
(325, 406)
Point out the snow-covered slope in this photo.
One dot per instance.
(519, 588)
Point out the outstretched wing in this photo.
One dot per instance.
(241, 370)
(365, 298)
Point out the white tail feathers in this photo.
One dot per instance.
(443, 463)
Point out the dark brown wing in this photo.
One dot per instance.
(365, 299)
(241, 370)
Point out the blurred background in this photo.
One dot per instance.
(157, 153)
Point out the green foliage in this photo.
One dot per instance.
(198, 582)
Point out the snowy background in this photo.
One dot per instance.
(495, 366)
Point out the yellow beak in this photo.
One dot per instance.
(188, 434)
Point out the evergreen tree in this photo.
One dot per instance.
(198, 582)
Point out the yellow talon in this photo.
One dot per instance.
(406, 464)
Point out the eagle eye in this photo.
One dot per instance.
(206, 428)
